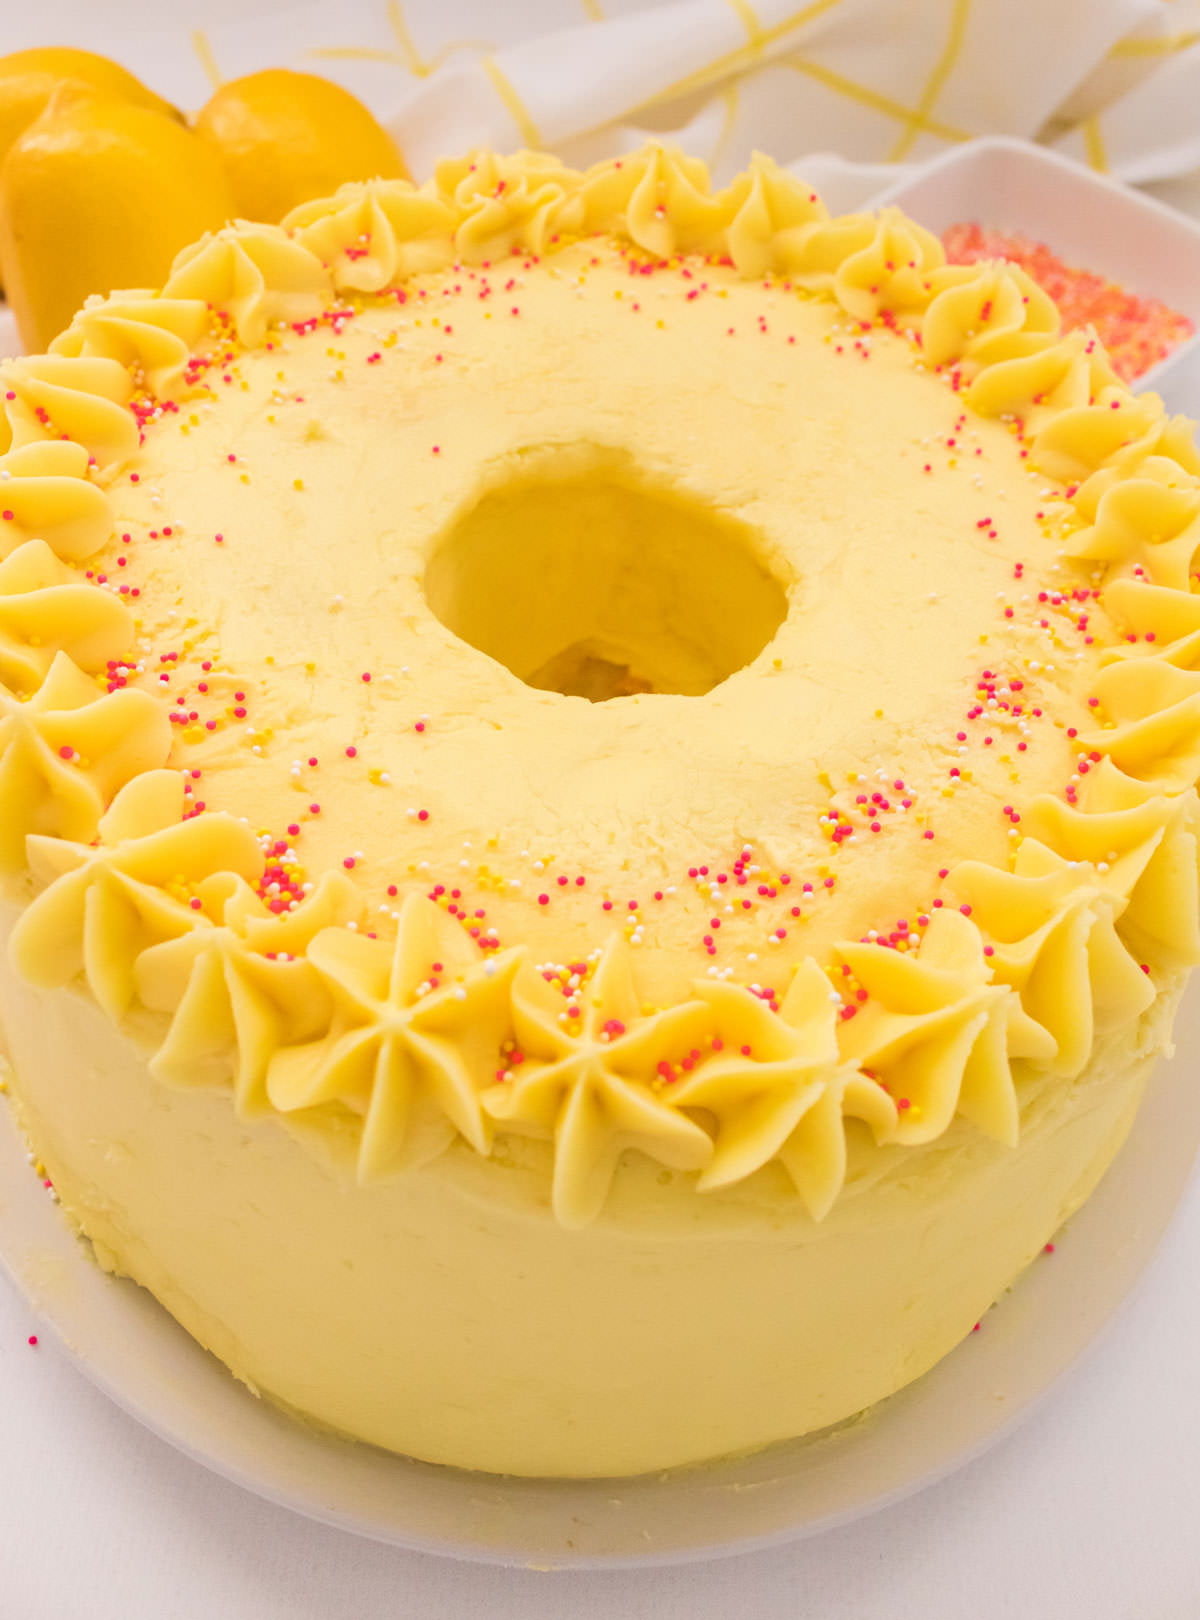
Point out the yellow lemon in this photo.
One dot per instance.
(29, 78)
(285, 137)
(99, 194)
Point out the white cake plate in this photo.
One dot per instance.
(125, 1343)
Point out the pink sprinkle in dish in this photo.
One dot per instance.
(1137, 332)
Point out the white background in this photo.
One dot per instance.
(1090, 1512)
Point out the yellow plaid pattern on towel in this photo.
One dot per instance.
(1112, 82)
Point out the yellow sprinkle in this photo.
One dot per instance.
(297, 483)
(245, 478)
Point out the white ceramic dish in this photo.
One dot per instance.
(1086, 219)
(133, 1350)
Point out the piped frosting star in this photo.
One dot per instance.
(779, 1089)
(587, 1080)
(45, 609)
(416, 1025)
(938, 1034)
(65, 751)
(1053, 940)
(104, 904)
(238, 986)
(1142, 847)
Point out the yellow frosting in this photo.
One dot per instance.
(879, 831)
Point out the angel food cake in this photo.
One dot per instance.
(598, 813)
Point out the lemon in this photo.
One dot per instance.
(99, 193)
(29, 78)
(286, 137)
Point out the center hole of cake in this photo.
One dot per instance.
(584, 578)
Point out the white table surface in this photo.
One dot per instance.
(1088, 1512)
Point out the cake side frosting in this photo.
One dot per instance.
(257, 973)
